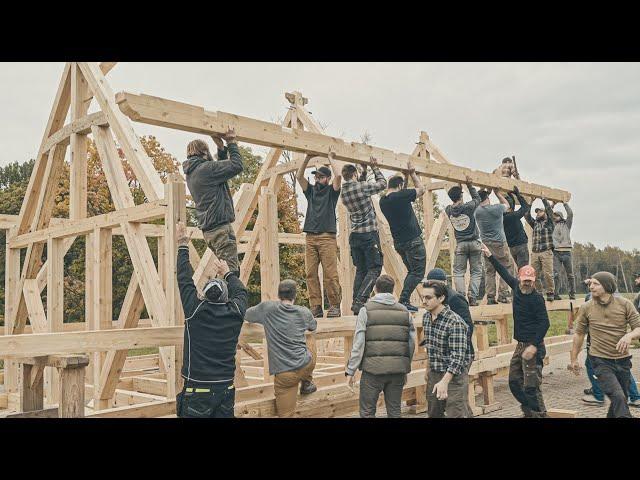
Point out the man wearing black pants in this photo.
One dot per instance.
(213, 321)
(530, 325)
(363, 239)
(514, 229)
(407, 236)
(607, 317)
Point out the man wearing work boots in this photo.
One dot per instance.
(321, 247)
(447, 342)
(607, 318)
(467, 236)
(530, 325)
(542, 248)
(292, 358)
(213, 321)
(490, 223)
(383, 346)
(207, 181)
(397, 207)
(562, 248)
(364, 239)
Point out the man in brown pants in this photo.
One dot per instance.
(291, 358)
(207, 181)
(320, 240)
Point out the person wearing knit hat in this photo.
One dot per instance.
(607, 318)
(530, 325)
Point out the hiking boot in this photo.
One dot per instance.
(491, 301)
(410, 307)
(572, 296)
(588, 391)
(503, 299)
(355, 308)
(526, 412)
(334, 311)
(592, 399)
(473, 302)
(550, 297)
(634, 403)
(307, 387)
(557, 297)
(317, 312)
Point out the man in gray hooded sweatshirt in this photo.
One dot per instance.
(383, 346)
(562, 248)
(207, 181)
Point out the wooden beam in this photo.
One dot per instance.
(38, 344)
(81, 126)
(135, 153)
(182, 116)
(139, 213)
(269, 253)
(35, 308)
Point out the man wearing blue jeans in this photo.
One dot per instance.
(594, 394)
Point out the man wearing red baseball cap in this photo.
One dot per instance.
(530, 325)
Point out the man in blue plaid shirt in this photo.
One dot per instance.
(363, 239)
(450, 357)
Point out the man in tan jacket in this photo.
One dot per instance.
(607, 318)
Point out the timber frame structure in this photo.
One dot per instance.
(118, 385)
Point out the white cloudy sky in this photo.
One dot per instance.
(572, 126)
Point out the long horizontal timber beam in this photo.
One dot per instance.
(82, 126)
(191, 118)
(140, 213)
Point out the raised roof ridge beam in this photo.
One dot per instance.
(182, 116)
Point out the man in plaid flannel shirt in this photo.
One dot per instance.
(542, 247)
(363, 239)
(447, 345)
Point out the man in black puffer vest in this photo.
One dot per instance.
(383, 346)
(212, 325)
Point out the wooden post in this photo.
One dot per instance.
(55, 307)
(269, 252)
(175, 192)
(102, 302)
(12, 279)
(347, 270)
(31, 396)
(71, 393)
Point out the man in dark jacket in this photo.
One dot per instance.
(207, 182)
(514, 230)
(212, 325)
(530, 325)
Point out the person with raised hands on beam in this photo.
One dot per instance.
(320, 227)
(397, 207)
(364, 239)
(607, 318)
(213, 320)
(207, 180)
(542, 247)
(530, 325)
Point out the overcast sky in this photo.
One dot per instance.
(571, 126)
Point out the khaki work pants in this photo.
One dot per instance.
(543, 264)
(285, 384)
(322, 249)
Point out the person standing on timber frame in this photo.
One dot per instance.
(321, 247)
(207, 181)
(530, 325)
(407, 236)
(607, 317)
(292, 357)
(383, 346)
(467, 236)
(490, 223)
(514, 230)
(562, 248)
(447, 342)
(542, 247)
(364, 239)
(213, 321)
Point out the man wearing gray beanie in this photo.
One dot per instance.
(607, 318)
